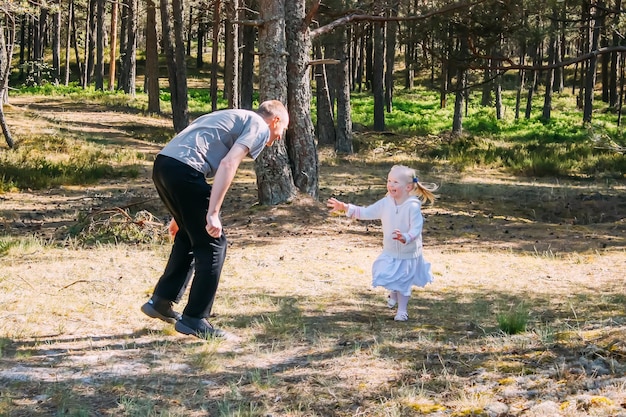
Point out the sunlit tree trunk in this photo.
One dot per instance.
(274, 180)
(113, 42)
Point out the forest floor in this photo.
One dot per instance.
(312, 337)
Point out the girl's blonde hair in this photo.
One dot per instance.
(420, 190)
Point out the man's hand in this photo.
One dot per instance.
(214, 226)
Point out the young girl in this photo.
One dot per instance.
(401, 264)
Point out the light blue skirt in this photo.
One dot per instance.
(400, 274)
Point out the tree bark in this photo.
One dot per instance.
(99, 69)
(113, 43)
(247, 67)
(176, 70)
(56, 47)
(274, 180)
(231, 66)
(344, 118)
(326, 134)
(377, 77)
(68, 41)
(390, 57)
(214, 55)
(590, 76)
(152, 59)
(130, 55)
(300, 136)
(6, 55)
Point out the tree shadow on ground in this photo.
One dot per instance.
(59, 380)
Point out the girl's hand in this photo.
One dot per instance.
(335, 205)
(397, 235)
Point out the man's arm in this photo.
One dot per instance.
(221, 183)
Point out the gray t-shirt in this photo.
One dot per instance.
(207, 140)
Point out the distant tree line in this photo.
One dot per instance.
(337, 47)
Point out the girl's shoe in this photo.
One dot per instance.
(391, 302)
(401, 317)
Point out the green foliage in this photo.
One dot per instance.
(513, 321)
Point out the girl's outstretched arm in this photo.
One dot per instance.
(335, 205)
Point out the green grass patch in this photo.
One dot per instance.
(50, 161)
(514, 320)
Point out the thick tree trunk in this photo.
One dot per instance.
(274, 181)
(152, 59)
(300, 136)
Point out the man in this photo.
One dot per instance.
(213, 146)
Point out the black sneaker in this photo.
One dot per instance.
(160, 308)
(198, 327)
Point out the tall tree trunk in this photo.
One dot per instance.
(56, 47)
(231, 66)
(461, 83)
(590, 76)
(390, 56)
(75, 44)
(247, 67)
(202, 24)
(214, 54)
(6, 55)
(344, 121)
(99, 69)
(68, 41)
(176, 70)
(547, 102)
(377, 77)
(326, 133)
(130, 54)
(613, 94)
(113, 45)
(274, 180)
(152, 59)
(521, 80)
(86, 56)
(300, 136)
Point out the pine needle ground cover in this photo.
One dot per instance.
(313, 337)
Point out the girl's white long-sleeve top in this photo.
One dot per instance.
(406, 217)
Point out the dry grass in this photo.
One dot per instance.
(313, 338)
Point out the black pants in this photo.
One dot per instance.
(185, 193)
